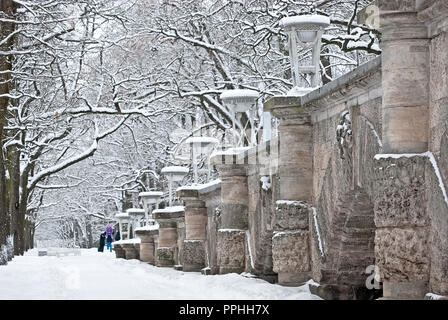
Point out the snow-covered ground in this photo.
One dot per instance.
(95, 275)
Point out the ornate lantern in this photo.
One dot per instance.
(307, 30)
(174, 174)
(149, 198)
(240, 101)
(199, 146)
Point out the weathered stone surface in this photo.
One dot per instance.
(231, 250)
(402, 254)
(290, 252)
(195, 223)
(396, 5)
(168, 237)
(146, 236)
(130, 251)
(193, 255)
(344, 292)
(291, 215)
(409, 290)
(166, 256)
(401, 198)
(178, 259)
(147, 252)
(438, 210)
(295, 162)
(119, 251)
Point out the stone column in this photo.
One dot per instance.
(405, 78)
(291, 239)
(296, 159)
(231, 242)
(401, 217)
(195, 230)
(167, 243)
(147, 248)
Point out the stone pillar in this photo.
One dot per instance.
(231, 242)
(147, 248)
(296, 159)
(401, 218)
(405, 78)
(193, 258)
(167, 250)
(291, 239)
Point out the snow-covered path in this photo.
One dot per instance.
(95, 275)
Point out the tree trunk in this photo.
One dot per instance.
(13, 198)
(9, 8)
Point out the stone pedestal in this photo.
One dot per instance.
(119, 251)
(130, 251)
(193, 253)
(402, 251)
(231, 241)
(167, 251)
(166, 256)
(231, 251)
(290, 243)
(291, 257)
(147, 247)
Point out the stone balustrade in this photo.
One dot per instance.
(358, 185)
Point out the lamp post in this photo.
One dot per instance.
(199, 146)
(240, 101)
(306, 30)
(174, 174)
(149, 198)
(122, 217)
(135, 214)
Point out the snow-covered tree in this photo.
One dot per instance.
(92, 91)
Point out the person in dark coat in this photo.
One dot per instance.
(117, 236)
(102, 242)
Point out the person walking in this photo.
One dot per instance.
(109, 238)
(102, 242)
(117, 236)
